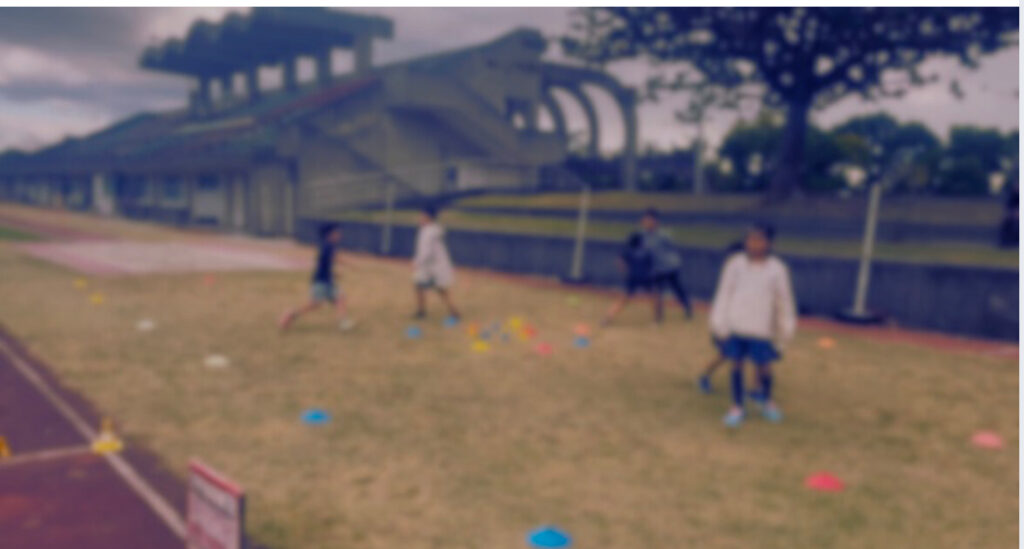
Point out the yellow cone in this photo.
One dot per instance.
(80, 283)
(5, 450)
(481, 346)
(96, 299)
(107, 441)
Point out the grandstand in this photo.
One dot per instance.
(245, 158)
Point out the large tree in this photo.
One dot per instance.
(874, 141)
(749, 147)
(804, 57)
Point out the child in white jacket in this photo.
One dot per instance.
(432, 266)
(754, 313)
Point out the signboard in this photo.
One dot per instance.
(216, 510)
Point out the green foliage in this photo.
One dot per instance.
(802, 56)
(873, 142)
(963, 176)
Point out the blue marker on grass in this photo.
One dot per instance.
(548, 536)
(315, 416)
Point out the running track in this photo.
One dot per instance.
(54, 492)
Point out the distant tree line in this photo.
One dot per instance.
(851, 154)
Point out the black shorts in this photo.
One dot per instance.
(633, 285)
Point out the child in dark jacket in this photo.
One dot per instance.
(637, 262)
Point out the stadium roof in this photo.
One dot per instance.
(265, 36)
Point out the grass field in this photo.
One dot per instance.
(7, 233)
(434, 445)
(716, 236)
(921, 209)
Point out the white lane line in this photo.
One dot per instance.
(44, 455)
(156, 502)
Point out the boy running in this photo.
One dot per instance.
(637, 263)
(666, 263)
(432, 266)
(754, 313)
(323, 289)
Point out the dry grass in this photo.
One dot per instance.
(984, 211)
(433, 445)
(718, 237)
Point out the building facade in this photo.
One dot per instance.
(245, 158)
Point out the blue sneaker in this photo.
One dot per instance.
(734, 418)
(704, 383)
(772, 413)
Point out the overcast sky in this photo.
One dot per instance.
(71, 71)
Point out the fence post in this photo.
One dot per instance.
(576, 273)
(859, 312)
(389, 207)
(867, 251)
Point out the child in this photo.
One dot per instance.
(637, 263)
(666, 264)
(754, 313)
(323, 288)
(432, 266)
(704, 381)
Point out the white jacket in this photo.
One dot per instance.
(754, 299)
(432, 262)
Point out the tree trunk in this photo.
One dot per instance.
(789, 169)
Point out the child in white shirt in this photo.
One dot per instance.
(755, 314)
(432, 266)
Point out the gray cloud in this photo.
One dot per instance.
(84, 60)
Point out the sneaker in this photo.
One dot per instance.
(346, 324)
(772, 413)
(734, 418)
(704, 383)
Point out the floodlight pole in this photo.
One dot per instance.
(576, 273)
(867, 252)
(389, 208)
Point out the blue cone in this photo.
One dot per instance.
(548, 536)
(581, 342)
(413, 332)
(451, 322)
(315, 416)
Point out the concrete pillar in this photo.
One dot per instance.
(323, 67)
(252, 83)
(227, 86)
(627, 102)
(591, 113)
(551, 104)
(203, 95)
(291, 79)
(532, 115)
(189, 182)
(199, 99)
(363, 51)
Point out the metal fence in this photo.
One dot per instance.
(976, 301)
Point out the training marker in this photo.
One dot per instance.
(107, 442)
(5, 450)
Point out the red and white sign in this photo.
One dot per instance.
(216, 510)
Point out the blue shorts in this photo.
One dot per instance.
(719, 344)
(760, 351)
(323, 291)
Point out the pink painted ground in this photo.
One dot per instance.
(127, 257)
